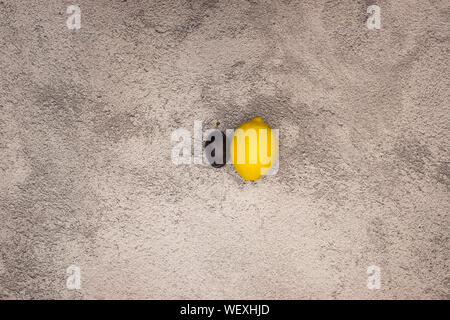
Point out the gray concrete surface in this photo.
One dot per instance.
(86, 176)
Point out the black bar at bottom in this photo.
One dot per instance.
(219, 309)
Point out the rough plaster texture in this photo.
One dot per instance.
(86, 176)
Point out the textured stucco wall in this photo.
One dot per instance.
(86, 176)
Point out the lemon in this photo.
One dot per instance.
(253, 149)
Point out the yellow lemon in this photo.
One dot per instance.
(254, 149)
